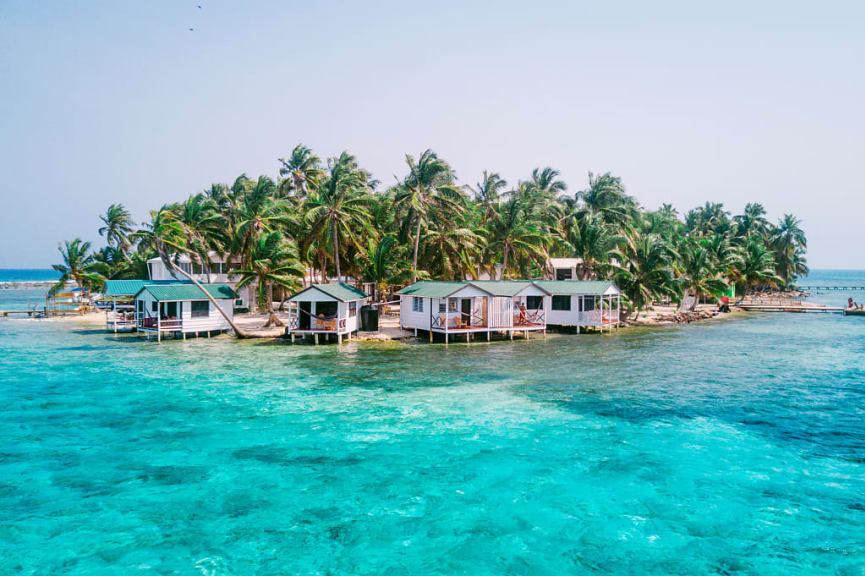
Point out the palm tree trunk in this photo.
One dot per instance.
(336, 253)
(505, 249)
(694, 303)
(238, 333)
(416, 246)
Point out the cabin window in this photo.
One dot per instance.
(534, 302)
(416, 304)
(352, 309)
(200, 308)
(442, 307)
(238, 303)
(563, 274)
(154, 306)
(196, 268)
(588, 303)
(561, 303)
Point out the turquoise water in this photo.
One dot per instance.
(28, 275)
(722, 448)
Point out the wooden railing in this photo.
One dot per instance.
(456, 320)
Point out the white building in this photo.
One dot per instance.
(591, 304)
(181, 309)
(216, 272)
(564, 268)
(478, 306)
(325, 309)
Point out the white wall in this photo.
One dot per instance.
(410, 319)
(564, 317)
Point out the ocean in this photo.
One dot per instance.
(734, 446)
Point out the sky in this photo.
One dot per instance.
(688, 102)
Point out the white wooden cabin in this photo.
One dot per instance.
(119, 298)
(181, 308)
(479, 306)
(325, 309)
(591, 304)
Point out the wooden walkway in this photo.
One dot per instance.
(790, 308)
(829, 288)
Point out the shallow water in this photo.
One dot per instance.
(728, 447)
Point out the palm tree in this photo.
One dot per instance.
(606, 196)
(429, 183)
(642, 265)
(698, 272)
(752, 220)
(448, 251)
(165, 235)
(382, 262)
(339, 205)
(79, 265)
(488, 193)
(118, 227)
(273, 261)
(757, 268)
(513, 234)
(789, 241)
(589, 239)
(300, 172)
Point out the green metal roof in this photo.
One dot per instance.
(338, 290)
(443, 289)
(131, 287)
(186, 291)
(566, 287)
(432, 288)
(502, 287)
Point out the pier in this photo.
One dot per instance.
(829, 288)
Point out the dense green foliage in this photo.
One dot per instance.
(330, 219)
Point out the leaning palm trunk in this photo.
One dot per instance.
(237, 331)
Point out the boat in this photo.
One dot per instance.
(854, 312)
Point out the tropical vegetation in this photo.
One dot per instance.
(330, 219)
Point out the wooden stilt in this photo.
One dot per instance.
(316, 338)
(430, 337)
(208, 334)
(339, 338)
(292, 337)
(415, 332)
(446, 338)
(511, 334)
(488, 335)
(468, 337)
(184, 336)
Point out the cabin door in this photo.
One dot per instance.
(466, 309)
(305, 309)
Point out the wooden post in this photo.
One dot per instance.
(488, 335)
(511, 334)
(292, 337)
(182, 333)
(446, 338)
(316, 338)
(468, 337)
(208, 334)
(338, 338)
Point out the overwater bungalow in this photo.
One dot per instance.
(118, 298)
(469, 307)
(325, 309)
(583, 304)
(180, 308)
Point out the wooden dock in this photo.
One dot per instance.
(828, 288)
(791, 308)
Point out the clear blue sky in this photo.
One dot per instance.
(733, 102)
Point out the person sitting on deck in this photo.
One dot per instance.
(852, 305)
